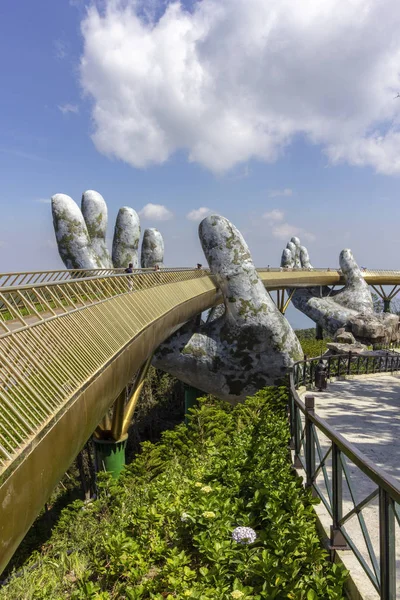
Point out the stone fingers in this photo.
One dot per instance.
(152, 253)
(247, 304)
(287, 260)
(304, 258)
(230, 262)
(356, 294)
(295, 256)
(73, 241)
(126, 238)
(94, 211)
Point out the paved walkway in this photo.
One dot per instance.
(366, 411)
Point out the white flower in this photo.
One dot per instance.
(184, 517)
(244, 535)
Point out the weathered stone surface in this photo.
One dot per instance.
(375, 328)
(250, 345)
(152, 253)
(126, 238)
(81, 234)
(344, 337)
(337, 348)
(95, 214)
(74, 243)
(350, 308)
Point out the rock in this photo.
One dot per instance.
(355, 348)
(375, 328)
(344, 337)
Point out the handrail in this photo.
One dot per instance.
(304, 442)
(17, 278)
(24, 305)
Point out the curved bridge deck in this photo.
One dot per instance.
(70, 342)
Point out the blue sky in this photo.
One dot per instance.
(300, 176)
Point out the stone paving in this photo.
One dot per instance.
(366, 411)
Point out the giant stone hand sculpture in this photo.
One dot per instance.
(81, 235)
(350, 308)
(247, 346)
(241, 348)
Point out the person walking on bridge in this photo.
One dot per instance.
(128, 270)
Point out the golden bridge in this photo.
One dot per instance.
(70, 342)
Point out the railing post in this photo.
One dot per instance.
(349, 364)
(310, 445)
(338, 366)
(304, 369)
(387, 546)
(338, 541)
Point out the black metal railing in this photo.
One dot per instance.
(328, 469)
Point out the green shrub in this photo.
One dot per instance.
(310, 346)
(164, 530)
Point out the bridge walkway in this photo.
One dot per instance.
(366, 411)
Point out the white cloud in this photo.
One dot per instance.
(285, 231)
(274, 215)
(198, 213)
(233, 80)
(68, 108)
(277, 193)
(156, 212)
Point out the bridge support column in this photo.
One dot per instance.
(319, 332)
(386, 297)
(110, 455)
(191, 395)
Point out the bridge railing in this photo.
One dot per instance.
(58, 335)
(16, 279)
(330, 464)
(24, 305)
